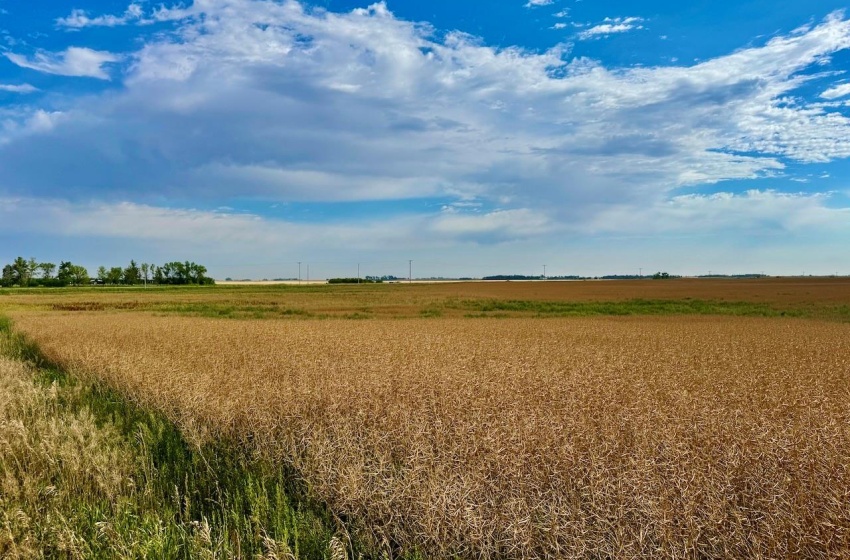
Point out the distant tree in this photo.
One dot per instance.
(64, 272)
(181, 271)
(132, 274)
(22, 269)
(79, 275)
(29, 272)
(113, 276)
(72, 274)
(198, 273)
(8, 278)
(168, 273)
(47, 270)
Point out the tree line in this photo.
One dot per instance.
(29, 273)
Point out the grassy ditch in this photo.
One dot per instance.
(86, 474)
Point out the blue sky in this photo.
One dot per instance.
(472, 137)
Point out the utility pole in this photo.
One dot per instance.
(358, 273)
(544, 272)
(308, 273)
(410, 271)
(299, 272)
(640, 272)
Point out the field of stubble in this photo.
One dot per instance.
(630, 437)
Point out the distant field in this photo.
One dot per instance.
(827, 298)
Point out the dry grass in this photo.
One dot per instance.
(49, 458)
(573, 438)
(85, 474)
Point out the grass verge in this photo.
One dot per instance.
(84, 473)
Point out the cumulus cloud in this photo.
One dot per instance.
(537, 3)
(259, 99)
(611, 26)
(74, 61)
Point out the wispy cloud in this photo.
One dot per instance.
(134, 14)
(611, 26)
(74, 61)
(79, 19)
(841, 90)
(538, 3)
(22, 88)
(763, 212)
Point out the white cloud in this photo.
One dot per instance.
(756, 212)
(134, 14)
(42, 121)
(468, 240)
(841, 90)
(21, 88)
(140, 221)
(611, 26)
(537, 3)
(79, 19)
(24, 124)
(233, 232)
(74, 61)
(498, 225)
(274, 101)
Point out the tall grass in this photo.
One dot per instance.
(632, 437)
(86, 474)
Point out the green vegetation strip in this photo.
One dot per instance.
(619, 308)
(84, 473)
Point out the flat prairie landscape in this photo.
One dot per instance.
(675, 419)
(807, 297)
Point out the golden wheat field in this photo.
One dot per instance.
(630, 437)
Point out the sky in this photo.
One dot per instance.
(471, 138)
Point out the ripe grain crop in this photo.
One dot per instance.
(699, 437)
(86, 474)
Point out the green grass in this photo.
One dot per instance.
(503, 308)
(179, 500)
(229, 311)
